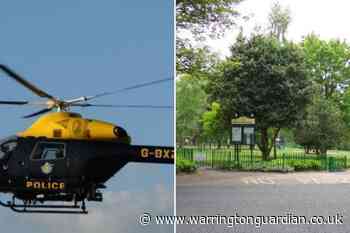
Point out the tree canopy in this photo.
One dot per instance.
(328, 64)
(213, 127)
(200, 18)
(322, 128)
(265, 77)
(194, 61)
(190, 105)
(203, 16)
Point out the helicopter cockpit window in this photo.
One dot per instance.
(7, 146)
(48, 151)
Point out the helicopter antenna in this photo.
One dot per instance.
(130, 88)
(64, 105)
(122, 106)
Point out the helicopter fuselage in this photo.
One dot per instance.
(42, 169)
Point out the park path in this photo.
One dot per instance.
(210, 177)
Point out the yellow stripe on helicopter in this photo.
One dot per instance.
(66, 125)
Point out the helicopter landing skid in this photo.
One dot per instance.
(29, 207)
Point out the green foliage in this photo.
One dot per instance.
(213, 127)
(345, 107)
(190, 105)
(304, 165)
(328, 64)
(202, 16)
(288, 137)
(328, 118)
(286, 161)
(268, 166)
(185, 166)
(265, 77)
(322, 128)
(194, 61)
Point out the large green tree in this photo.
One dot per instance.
(265, 77)
(191, 102)
(328, 64)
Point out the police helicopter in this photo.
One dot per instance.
(65, 159)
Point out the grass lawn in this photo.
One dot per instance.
(329, 152)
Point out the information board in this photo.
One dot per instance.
(237, 134)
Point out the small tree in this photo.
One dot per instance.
(322, 128)
(265, 77)
(190, 105)
(213, 127)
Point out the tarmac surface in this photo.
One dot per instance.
(264, 197)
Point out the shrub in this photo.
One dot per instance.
(186, 166)
(304, 165)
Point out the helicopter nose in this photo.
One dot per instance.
(121, 134)
(107, 131)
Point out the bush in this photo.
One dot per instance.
(305, 165)
(261, 166)
(268, 166)
(185, 166)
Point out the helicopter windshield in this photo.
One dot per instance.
(7, 145)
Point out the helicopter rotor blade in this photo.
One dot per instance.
(155, 82)
(45, 110)
(10, 102)
(14, 102)
(123, 106)
(77, 102)
(24, 82)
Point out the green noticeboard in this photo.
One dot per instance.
(243, 131)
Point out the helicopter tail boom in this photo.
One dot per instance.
(152, 154)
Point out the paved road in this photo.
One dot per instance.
(211, 193)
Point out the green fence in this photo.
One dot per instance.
(247, 160)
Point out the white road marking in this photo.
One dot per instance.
(297, 179)
(259, 180)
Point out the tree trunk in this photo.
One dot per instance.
(264, 145)
(323, 151)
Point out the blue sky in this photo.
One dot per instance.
(72, 48)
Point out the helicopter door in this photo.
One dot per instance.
(48, 159)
